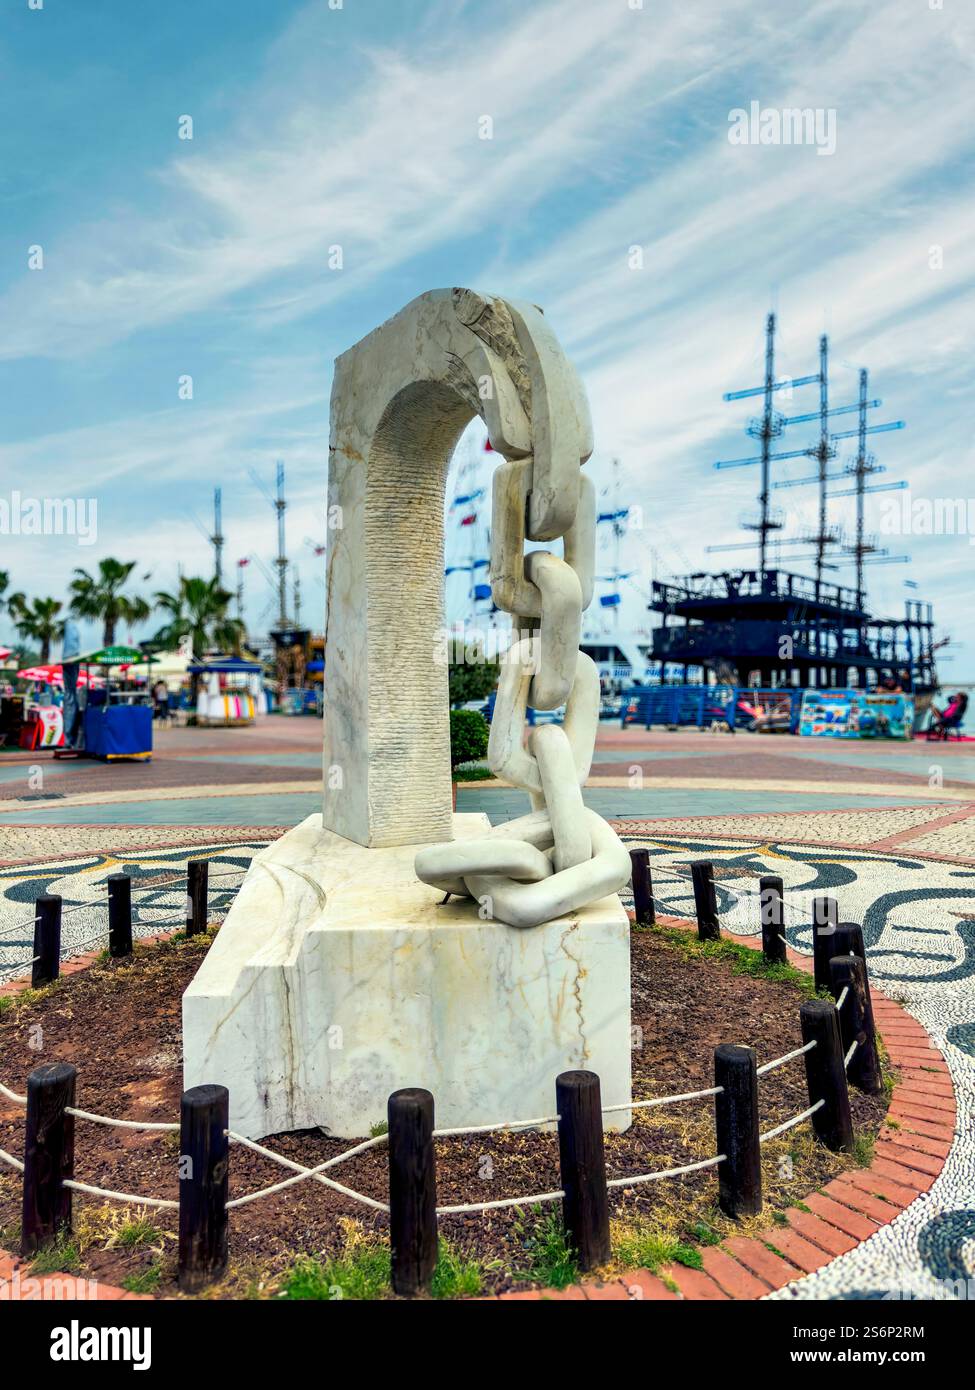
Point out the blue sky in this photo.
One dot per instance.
(357, 126)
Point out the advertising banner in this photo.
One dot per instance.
(856, 714)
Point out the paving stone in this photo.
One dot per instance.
(761, 1261)
(640, 1283)
(695, 1283)
(820, 1232)
(733, 1277)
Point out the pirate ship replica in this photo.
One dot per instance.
(770, 626)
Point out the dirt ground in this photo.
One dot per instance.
(119, 1023)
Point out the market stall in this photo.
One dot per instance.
(39, 720)
(229, 691)
(117, 721)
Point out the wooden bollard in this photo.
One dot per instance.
(197, 875)
(772, 918)
(46, 965)
(848, 941)
(826, 1074)
(582, 1164)
(643, 912)
(48, 1155)
(825, 915)
(119, 916)
(705, 900)
(412, 1191)
(856, 1023)
(204, 1169)
(736, 1129)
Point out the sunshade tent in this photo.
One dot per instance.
(171, 667)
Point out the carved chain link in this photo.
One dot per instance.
(562, 856)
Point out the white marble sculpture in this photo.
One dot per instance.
(338, 976)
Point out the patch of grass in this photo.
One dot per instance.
(801, 1206)
(650, 1248)
(744, 960)
(139, 1232)
(774, 1249)
(863, 1149)
(780, 1218)
(455, 1276)
(145, 1282)
(380, 1127)
(705, 1234)
(10, 1236)
(551, 1260)
(61, 1256)
(33, 996)
(891, 1124)
(362, 1273)
(6, 1002)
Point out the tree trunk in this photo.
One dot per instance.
(108, 633)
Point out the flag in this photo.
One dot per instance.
(245, 561)
(469, 519)
(609, 600)
(488, 449)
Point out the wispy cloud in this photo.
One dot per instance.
(610, 131)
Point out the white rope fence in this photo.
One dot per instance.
(790, 1124)
(135, 1198)
(786, 1057)
(466, 1207)
(662, 1100)
(304, 1172)
(666, 1172)
(512, 1125)
(159, 1126)
(13, 1162)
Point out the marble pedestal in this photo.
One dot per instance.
(338, 978)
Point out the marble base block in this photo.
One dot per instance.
(338, 978)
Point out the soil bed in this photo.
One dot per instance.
(119, 1023)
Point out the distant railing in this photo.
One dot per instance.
(700, 706)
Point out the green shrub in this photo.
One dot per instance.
(468, 736)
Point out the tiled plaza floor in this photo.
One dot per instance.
(889, 829)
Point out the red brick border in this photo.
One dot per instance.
(847, 1211)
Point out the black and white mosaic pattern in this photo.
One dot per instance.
(918, 919)
(81, 882)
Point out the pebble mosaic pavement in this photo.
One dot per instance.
(918, 918)
(887, 829)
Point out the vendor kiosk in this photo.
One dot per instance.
(116, 723)
(229, 691)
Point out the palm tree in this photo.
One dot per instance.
(101, 597)
(37, 620)
(4, 585)
(199, 609)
